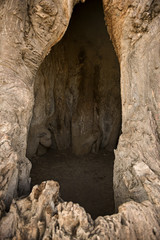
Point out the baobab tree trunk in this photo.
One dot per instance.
(28, 31)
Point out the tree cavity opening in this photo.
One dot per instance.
(77, 113)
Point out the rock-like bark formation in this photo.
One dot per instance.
(42, 215)
(28, 30)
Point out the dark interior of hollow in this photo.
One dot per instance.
(76, 119)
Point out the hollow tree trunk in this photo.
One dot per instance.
(28, 30)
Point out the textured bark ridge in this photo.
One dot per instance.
(28, 30)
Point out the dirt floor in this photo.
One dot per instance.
(86, 180)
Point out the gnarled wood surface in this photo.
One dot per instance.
(28, 30)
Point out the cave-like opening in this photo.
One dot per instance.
(77, 113)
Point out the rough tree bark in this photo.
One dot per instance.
(28, 30)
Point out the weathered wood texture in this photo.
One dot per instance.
(28, 30)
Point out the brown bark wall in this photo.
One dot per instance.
(77, 89)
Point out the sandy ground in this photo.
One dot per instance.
(86, 180)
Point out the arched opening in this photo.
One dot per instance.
(77, 114)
